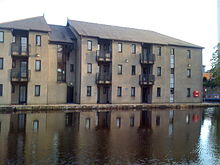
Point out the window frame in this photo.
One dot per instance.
(38, 40)
(3, 37)
(120, 47)
(120, 69)
(89, 45)
(89, 67)
(89, 91)
(133, 70)
(37, 90)
(133, 48)
(158, 92)
(1, 63)
(159, 70)
(119, 91)
(133, 91)
(1, 89)
(37, 62)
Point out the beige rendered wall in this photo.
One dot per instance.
(5, 53)
(88, 79)
(125, 80)
(56, 90)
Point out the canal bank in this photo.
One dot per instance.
(10, 108)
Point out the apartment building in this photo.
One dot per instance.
(93, 63)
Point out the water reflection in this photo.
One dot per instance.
(110, 137)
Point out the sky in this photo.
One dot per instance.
(194, 21)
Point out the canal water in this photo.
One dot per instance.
(111, 137)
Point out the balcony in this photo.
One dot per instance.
(147, 58)
(147, 79)
(103, 79)
(20, 50)
(18, 76)
(103, 57)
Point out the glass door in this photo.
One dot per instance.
(23, 69)
(24, 45)
(23, 94)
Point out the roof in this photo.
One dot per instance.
(35, 23)
(125, 34)
(60, 34)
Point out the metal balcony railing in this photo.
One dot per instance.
(147, 79)
(18, 76)
(147, 58)
(103, 57)
(103, 78)
(20, 50)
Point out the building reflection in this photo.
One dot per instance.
(99, 136)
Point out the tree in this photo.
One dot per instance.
(215, 70)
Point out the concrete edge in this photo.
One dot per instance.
(14, 108)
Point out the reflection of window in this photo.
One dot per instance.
(118, 122)
(1, 89)
(188, 92)
(187, 119)
(89, 91)
(158, 121)
(35, 125)
(87, 123)
(61, 64)
(132, 121)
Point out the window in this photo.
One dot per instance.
(13, 39)
(13, 63)
(119, 47)
(159, 51)
(35, 125)
(12, 88)
(118, 122)
(1, 89)
(87, 124)
(119, 92)
(133, 70)
(188, 73)
(132, 91)
(158, 121)
(89, 91)
(89, 45)
(1, 63)
(188, 92)
(119, 69)
(37, 90)
(1, 36)
(172, 91)
(189, 54)
(133, 48)
(172, 71)
(61, 64)
(187, 119)
(158, 92)
(89, 68)
(38, 40)
(172, 51)
(38, 65)
(71, 67)
(158, 71)
(132, 121)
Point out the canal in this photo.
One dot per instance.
(111, 137)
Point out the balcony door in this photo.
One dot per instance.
(23, 94)
(23, 69)
(24, 45)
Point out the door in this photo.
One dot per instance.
(70, 94)
(22, 94)
(23, 69)
(23, 45)
(146, 95)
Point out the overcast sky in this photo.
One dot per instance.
(194, 21)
